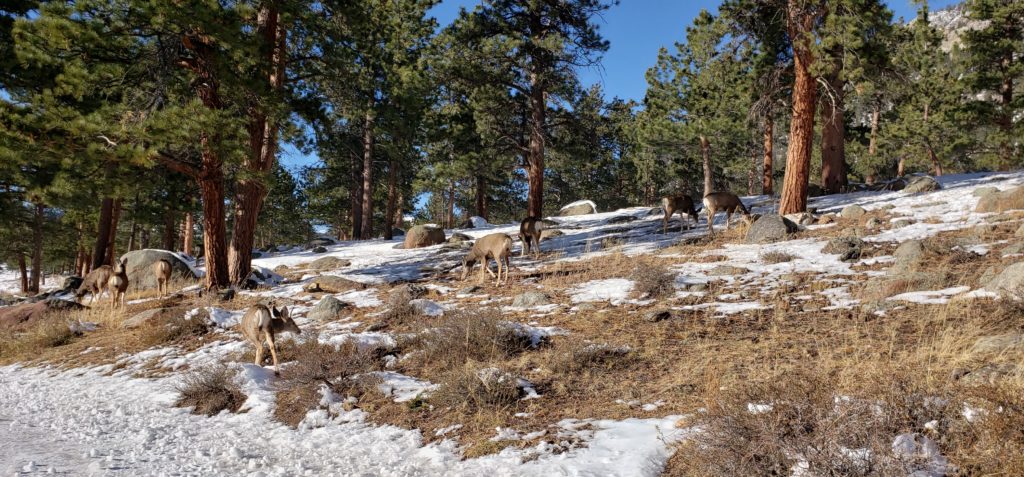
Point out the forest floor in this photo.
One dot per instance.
(621, 350)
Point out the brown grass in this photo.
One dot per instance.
(776, 256)
(473, 388)
(652, 280)
(177, 329)
(462, 337)
(49, 332)
(209, 391)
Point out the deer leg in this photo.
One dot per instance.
(508, 266)
(711, 222)
(728, 219)
(273, 353)
(497, 261)
(536, 245)
(259, 354)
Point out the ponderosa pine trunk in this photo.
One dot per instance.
(189, 241)
(873, 141)
(389, 210)
(170, 230)
(1005, 119)
(37, 248)
(356, 196)
(805, 97)
(755, 161)
(833, 140)
(535, 154)
(768, 172)
(23, 271)
(481, 196)
(211, 187)
(368, 143)
(115, 218)
(398, 211)
(936, 166)
(705, 154)
(99, 250)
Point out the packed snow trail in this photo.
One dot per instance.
(85, 423)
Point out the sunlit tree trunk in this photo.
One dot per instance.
(805, 96)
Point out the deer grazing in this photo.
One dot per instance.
(723, 202)
(117, 284)
(530, 230)
(162, 272)
(678, 203)
(94, 283)
(261, 324)
(496, 246)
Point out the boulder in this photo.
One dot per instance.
(71, 283)
(140, 267)
(1010, 280)
(920, 184)
(908, 257)
(332, 284)
(621, 219)
(848, 248)
(657, 315)
(459, 238)
(406, 292)
(531, 299)
(328, 309)
(873, 223)
(987, 375)
(984, 190)
(320, 242)
(1002, 201)
(770, 228)
(549, 233)
(1013, 249)
(998, 344)
(423, 236)
(900, 223)
(827, 219)
(896, 184)
(580, 207)
(327, 263)
(722, 270)
(319, 249)
(28, 312)
(852, 211)
(147, 318)
(815, 190)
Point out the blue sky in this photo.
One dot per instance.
(636, 29)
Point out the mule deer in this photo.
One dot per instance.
(162, 272)
(678, 203)
(723, 202)
(94, 283)
(260, 324)
(530, 230)
(496, 246)
(117, 285)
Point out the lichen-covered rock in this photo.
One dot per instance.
(770, 228)
(332, 284)
(1011, 199)
(580, 207)
(530, 299)
(852, 211)
(140, 267)
(329, 308)
(423, 236)
(1010, 280)
(328, 263)
(848, 248)
(922, 184)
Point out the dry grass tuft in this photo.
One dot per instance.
(471, 388)
(176, 330)
(652, 280)
(49, 332)
(776, 256)
(573, 356)
(462, 337)
(209, 391)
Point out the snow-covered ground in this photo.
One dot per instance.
(107, 421)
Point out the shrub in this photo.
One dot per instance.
(473, 388)
(466, 336)
(576, 356)
(652, 281)
(317, 364)
(776, 256)
(209, 391)
(49, 332)
(178, 329)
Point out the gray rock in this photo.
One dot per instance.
(71, 283)
(621, 219)
(827, 219)
(458, 237)
(469, 290)
(873, 223)
(332, 284)
(581, 208)
(852, 211)
(531, 299)
(908, 257)
(319, 249)
(770, 228)
(550, 233)
(999, 343)
(329, 263)
(989, 374)
(320, 242)
(984, 190)
(697, 287)
(423, 236)
(1010, 280)
(1014, 248)
(922, 184)
(148, 318)
(586, 307)
(328, 309)
(900, 223)
(407, 291)
(802, 218)
(848, 248)
(140, 267)
(1011, 199)
(654, 316)
(722, 270)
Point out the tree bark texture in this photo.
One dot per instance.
(805, 95)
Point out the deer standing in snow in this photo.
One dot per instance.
(162, 272)
(496, 246)
(530, 230)
(117, 284)
(261, 324)
(678, 203)
(724, 202)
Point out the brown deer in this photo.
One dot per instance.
(727, 202)
(530, 230)
(496, 246)
(117, 284)
(260, 325)
(94, 283)
(678, 203)
(162, 272)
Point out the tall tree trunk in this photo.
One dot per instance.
(211, 187)
(833, 141)
(1005, 119)
(133, 231)
(170, 230)
(189, 241)
(263, 129)
(368, 121)
(115, 217)
(755, 161)
(805, 97)
(342, 226)
(481, 196)
(768, 170)
(144, 238)
(450, 217)
(37, 248)
(535, 155)
(99, 251)
(389, 212)
(399, 222)
(705, 154)
(23, 269)
(356, 196)
(936, 166)
(873, 141)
